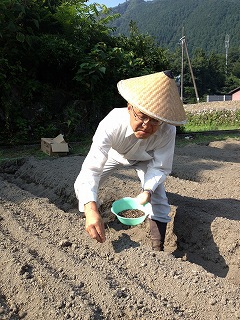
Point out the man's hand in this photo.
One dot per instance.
(144, 197)
(94, 222)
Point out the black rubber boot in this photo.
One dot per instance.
(157, 233)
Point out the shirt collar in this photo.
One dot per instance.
(130, 132)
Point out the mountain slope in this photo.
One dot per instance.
(205, 22)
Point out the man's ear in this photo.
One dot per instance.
(129, 107)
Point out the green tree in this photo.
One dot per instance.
(42, 45)
(60, 63)
(144, 55)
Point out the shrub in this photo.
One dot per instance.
(213, 120)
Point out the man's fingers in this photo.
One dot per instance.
(95, 225)
(101, 232)
(97, 233)
(93, 233)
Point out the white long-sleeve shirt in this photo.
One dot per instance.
(115, 138)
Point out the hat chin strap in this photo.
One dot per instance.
(169, 74)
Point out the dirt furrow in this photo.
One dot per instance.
(55, 265)
(50, 268)
(56, 281)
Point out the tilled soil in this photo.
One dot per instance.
(50, 268)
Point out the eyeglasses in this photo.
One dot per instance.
(146, 119)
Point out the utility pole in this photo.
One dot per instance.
(184, 45)
(182, 42)
(226, 47)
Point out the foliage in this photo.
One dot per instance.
(60, 64)
(213, 120)
(209, 70)
(205, 22)
(143, 54)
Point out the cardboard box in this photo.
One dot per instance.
(54, 146)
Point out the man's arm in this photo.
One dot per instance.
(94, 222)
(161, 164)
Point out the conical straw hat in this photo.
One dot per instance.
(156, 95)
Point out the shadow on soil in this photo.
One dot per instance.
(124, 241)
(192, 227)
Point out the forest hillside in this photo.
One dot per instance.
(206, 23)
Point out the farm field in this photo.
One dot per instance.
(50, 268)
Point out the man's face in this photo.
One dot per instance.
(142, 125)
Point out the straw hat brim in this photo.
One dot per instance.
(155, 95)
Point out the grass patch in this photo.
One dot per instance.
(22, 151)
(17, 152)
(203, 128)
(82, 147)
(201, 139)
(210, 120)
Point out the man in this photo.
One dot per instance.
(142, 136)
